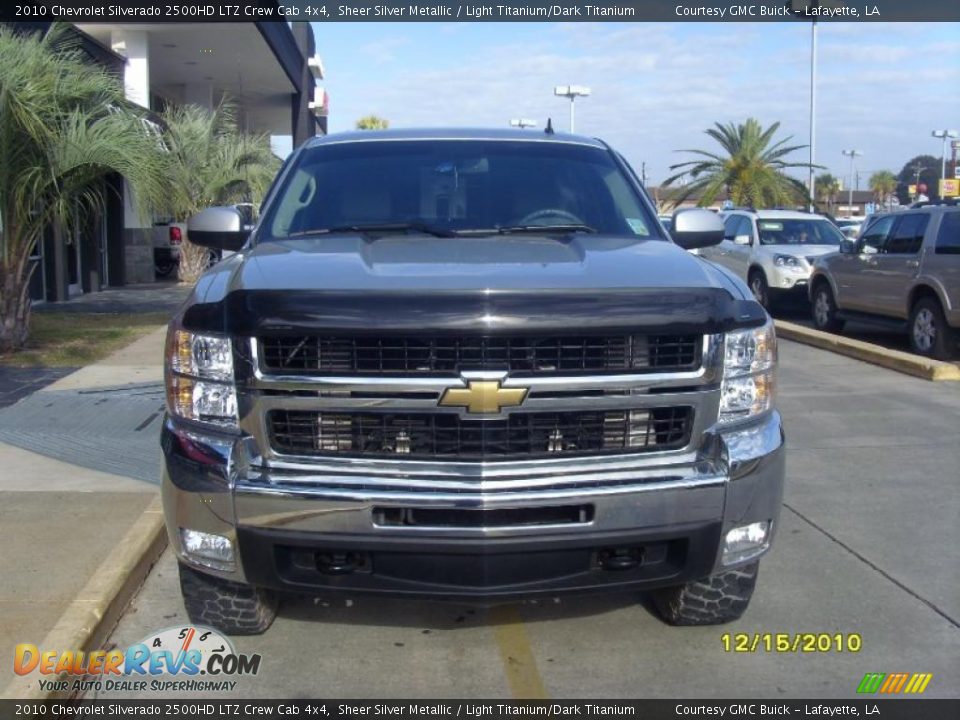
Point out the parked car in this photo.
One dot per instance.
(468, 364)
(903, 271)
(850, 227)
(773, 250)
(167, 239)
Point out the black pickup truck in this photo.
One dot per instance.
(473, 365)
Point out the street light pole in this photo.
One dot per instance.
(572, 92)
(852, 154)
(943, 135)
(813, 109)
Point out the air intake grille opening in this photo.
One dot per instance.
(447, 435)
(452, 354)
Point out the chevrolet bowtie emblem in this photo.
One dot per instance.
(483, 397)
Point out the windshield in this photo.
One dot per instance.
(798, 232)
(456, 187)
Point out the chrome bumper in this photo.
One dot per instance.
(209, 485)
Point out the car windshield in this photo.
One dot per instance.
(798, 232)
(447, 187)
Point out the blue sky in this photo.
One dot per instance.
(656, 86)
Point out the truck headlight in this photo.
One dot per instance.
(749, 367)
(786, 261)
(200, 378)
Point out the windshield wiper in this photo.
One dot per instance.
(419, 227)
(546, 229)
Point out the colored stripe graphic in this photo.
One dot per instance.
(894, 683)
(871, 682)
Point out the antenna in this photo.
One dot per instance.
(549, 128)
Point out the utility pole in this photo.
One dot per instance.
(813, 110)
(852, 154)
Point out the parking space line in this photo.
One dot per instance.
(874, 566)
(516, 654)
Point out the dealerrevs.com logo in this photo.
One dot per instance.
(177, 659)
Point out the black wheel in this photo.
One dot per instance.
(760, 288)
(226, 606)
(929, 333)
(824, 309)
(163, 268)
(716, 599)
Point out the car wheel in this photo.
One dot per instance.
(716, 599)
(824, 309)
(759, 288)
(163, 268)
(230, 607)
(929, 333)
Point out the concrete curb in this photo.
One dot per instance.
(94, 612)
(898, 360)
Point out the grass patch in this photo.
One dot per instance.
(77, 339)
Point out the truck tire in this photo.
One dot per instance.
(230, 607)
(929, 333)
(716, 599)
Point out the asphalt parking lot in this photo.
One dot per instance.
(868, 543)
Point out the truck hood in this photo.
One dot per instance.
(397, 281)
(471, 263)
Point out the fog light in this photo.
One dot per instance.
(215, 551)
(745, 542)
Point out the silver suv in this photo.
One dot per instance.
(904, 269)
(773, 250)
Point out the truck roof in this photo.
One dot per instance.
(500, 134)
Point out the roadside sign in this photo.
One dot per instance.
(911, 189)
(728, 204)
(949, 187)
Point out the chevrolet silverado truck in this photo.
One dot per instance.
(469, 365)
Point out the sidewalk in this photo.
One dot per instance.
(80, 463)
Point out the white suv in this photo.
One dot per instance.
(773, 250)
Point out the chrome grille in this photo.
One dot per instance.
(426, 354)
(447, 435)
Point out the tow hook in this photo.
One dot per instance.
(619, 559)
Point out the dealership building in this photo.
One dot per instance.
(270, 71)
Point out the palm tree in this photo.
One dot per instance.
(64, 126)
(372, 122)
(212, 163)
(750, 169)
(883, 183)
(827, 189)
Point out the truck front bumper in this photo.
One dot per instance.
(308, 532)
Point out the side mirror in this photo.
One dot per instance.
(742, 240)
(220, 228)
(697, 228)
(848, 247)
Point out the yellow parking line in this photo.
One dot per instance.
(516, 654)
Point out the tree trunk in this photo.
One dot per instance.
(194, 260)
(14, 305)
